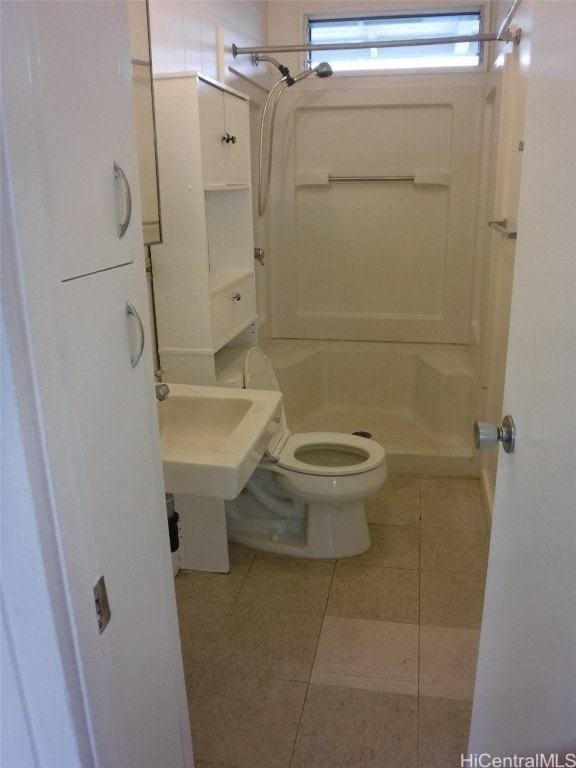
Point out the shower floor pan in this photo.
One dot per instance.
(416, 400)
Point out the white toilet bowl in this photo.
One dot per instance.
(306, 497)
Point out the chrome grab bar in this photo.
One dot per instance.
(370, 178)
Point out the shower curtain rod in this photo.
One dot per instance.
(503, 35)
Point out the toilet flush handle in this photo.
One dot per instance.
(487, 434)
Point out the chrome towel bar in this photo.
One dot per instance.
(320, 178)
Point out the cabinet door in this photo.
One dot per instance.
(237, 151)
(225, 137)
(114, 409)
(211, 107)
(88, 201)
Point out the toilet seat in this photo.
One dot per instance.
(325, 453)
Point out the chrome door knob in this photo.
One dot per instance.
(486, 434)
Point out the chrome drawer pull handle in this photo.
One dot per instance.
(135, 357)
(237, 296)
(123, 226)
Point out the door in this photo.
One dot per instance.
(84, 415)
(525, 696)
(109, 389)
(90, 59)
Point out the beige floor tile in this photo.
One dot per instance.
(397, 503)
(264, 642)
(372, 655)
(202, 764)
(202, 586)
(192, 677)
(443, 727)
(444, 549)
(448, 662)
(201, 627)
(252, 638)
(452, 503)
(346, 728)
(245, 722)
(366, 592)
(393, 546)
(451, 599)
(289, 584)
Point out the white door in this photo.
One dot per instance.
(83, 419)
(126, 518)
(525, 696)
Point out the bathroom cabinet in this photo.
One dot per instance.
(225, 137)
(74, 259)
(203, 272)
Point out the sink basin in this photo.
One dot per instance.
(212, 438)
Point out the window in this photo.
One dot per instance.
(365, 29)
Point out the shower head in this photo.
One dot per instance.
(322, 70)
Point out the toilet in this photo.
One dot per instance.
(306, 496)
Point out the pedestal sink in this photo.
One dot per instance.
(212, 438)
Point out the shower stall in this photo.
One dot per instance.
(375, 289)
(374, 239)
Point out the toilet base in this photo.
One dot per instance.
(328, 531)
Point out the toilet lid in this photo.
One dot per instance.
(313, 453)
(329, 453)
(259, 374)
(258, 371)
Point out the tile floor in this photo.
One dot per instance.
(366, 662)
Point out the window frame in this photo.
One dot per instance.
(398, 12)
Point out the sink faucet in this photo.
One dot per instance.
(162, 391)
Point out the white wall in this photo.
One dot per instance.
(198, 36)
